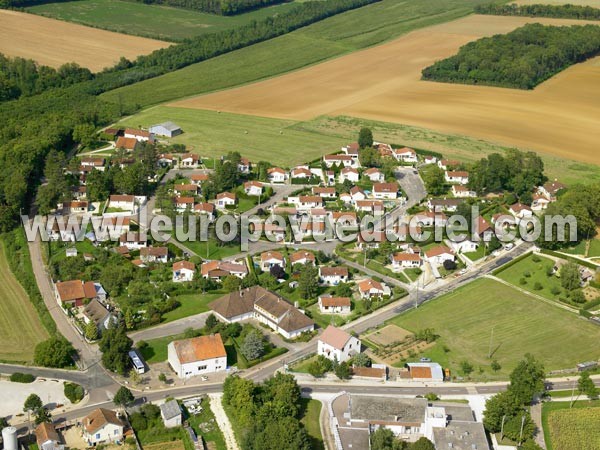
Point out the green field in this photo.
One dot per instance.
(576, 428)
(465, 318)
(331, 37)
(20, 326)
(191, 304)
(209, 133)
(212, 134)
(156, 21)
(537, 271)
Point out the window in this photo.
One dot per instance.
(202, 367)
(116, 432)
(97, 435)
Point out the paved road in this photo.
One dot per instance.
(374, 273)
(171, 328)
(88, 356)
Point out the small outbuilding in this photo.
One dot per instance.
(170, 412)
(167, 129)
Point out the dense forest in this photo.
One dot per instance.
(224, 7)
(558, 11)
(520, 59)
(34, 125)
(19, 76)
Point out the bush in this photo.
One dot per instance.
(19, 377)
(527, 274)
(138, 422)
(555, 290)
(538, 286)
(522, 281)
(535, 258)
(74, 392)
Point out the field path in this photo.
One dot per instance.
(560, 117)
(223, 421)
(54, 42)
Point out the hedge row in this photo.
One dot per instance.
(19, 377)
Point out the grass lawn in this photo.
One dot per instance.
(302, 366)
(413, 274)
(156, 21)
(324, 320)
(537, 270)
(477, 254)
(576, 428)
(213, 134)
(378, 267)
(579, 249)
(214, 251)
(20, 326)
(311, 411)
(464, 320)
(191, 304)
(328, 38)
(155, 350)
(594, 250)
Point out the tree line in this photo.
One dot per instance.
(34, 125)
(520, 59)
(223, 7)
(558, 11)
(20, 76)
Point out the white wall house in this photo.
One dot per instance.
(405, 155)
(385, 191)
(183, 271)
(332, 276)
(336, 344)
(225, 199)
(374, 174)
(167, 129)
(270, 259)
(277, 175)
(406, 260)
(456, 176)
(334, 305)
(197, 356)
(339, 160)
(189, 161)
(437, 255)
(350, 174)
(253, 188)
(102, 426)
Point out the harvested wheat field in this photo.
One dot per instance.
(54, 42)
(560, 117)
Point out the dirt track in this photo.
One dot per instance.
(560, 117)
(54, 42)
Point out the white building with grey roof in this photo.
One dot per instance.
(170, 412)
(167, 129)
